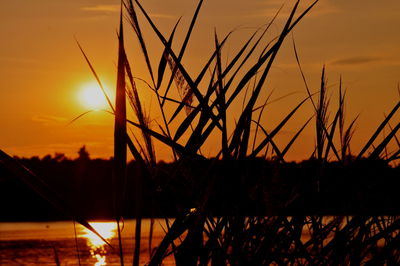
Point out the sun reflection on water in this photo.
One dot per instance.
(97, 246)
(101, 260)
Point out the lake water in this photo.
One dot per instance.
(45, 243)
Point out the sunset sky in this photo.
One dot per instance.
(43, 74)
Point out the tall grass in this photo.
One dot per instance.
(196, 236)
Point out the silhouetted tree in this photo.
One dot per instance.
(83, 154)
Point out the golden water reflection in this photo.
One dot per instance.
(97, 246)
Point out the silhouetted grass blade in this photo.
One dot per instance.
(139, 35)
(163, 61)
(277, 129)
(183, 48)
(378, 130)
(97, 77)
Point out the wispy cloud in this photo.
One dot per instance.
(102, 8)
(48, 120)
(18, 60)
(159, 15)
(269, 9)
(357, 60)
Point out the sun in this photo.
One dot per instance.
(91, 96)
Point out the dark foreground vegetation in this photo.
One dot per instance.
(254, 187)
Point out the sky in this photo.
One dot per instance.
(43, 73)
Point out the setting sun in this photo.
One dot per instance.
(91, 96)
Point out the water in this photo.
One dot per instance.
(45, 243)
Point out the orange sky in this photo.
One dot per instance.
(42, 69)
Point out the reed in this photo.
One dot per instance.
(222, 240)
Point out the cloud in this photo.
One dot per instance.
(356, 60)
(18, 60)
(48, 120)
(102, 8)
(116, 8)
(159, 15)
(270, 8)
